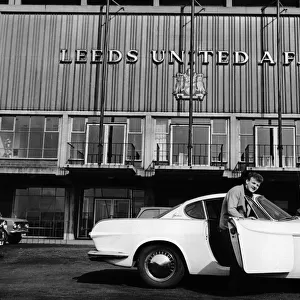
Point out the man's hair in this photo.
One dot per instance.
(254, 175)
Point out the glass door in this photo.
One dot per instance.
(111, 208)
(179, 145)
(113, 147)
(114, 144)
(266, 146)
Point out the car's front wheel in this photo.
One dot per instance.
(14, 238)
(160, 266)
(2, 237)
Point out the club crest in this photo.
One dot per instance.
(182, 86)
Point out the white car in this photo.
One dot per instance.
(186, 239)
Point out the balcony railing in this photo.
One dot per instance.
(267, 156)
(81, 153)
(176, 154)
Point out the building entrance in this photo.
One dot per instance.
(111, 208)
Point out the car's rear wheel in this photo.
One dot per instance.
(160, 266)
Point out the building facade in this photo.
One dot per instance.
(96, 117)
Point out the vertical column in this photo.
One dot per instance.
(233, 142)
(69, 225)
(63, 139)
(149, 139)
(14, 2)
(228, 3)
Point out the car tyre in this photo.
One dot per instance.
(2, 237)
(14, 238)
(160, 266)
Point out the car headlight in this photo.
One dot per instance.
(26, 225)
(15, 226)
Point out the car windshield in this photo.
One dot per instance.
(273, 210)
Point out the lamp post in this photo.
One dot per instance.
(190, 138)
(103, 84)
(279, 82)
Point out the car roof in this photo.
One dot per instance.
(155, 207)
(205, 197)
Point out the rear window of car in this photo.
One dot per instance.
(195, 210)
(149, 213)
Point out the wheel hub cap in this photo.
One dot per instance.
(160, 265)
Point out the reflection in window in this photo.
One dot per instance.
(29, 137)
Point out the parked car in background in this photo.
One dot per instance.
(151, 211)
(2, 231)
(186, 240)
(14, 230)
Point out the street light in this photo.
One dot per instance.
(103, 84)
(190, 138)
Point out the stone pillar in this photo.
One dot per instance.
(150, 137)
(63, 139)
(14, 2)
(69, 224)
(233, 142)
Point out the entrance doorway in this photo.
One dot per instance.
(111, 208)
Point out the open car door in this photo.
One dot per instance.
(262, 246)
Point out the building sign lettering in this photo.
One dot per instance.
(222, 57)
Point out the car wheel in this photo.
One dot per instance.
(2, 237)
(160, 266)
(14, 238)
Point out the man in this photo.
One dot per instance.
(234, 205)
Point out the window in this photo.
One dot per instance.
(195, 210)
(246, 141)
(161, 140)
(266, 146)
(100, 204)
(43, 208)
(135, 139)
(179, 144)
(219, 145)
(29, 136)
(84, 144)
(297, 142)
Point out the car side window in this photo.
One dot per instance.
(195, 210)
